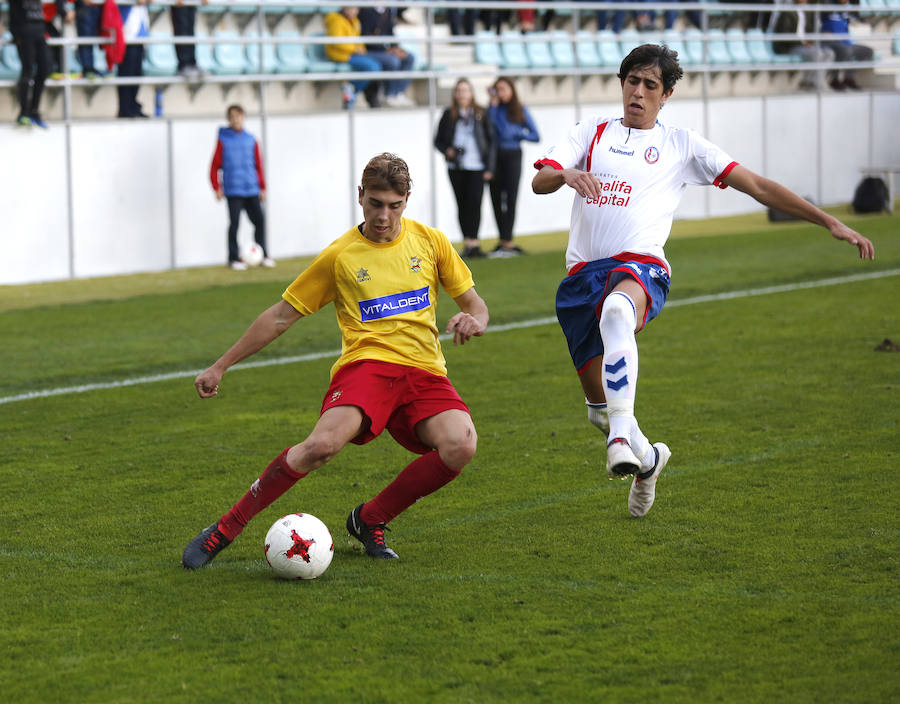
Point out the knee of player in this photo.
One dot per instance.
(617, 306)
(459, 450)
(316, 451)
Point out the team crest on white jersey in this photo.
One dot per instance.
(363, 275)
(651, 155)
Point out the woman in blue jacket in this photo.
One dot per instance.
(513, 123)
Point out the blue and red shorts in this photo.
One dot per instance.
(392, 396)
(579, 299)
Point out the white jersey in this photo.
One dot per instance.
(642, 175)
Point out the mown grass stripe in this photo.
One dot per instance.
(709, 298)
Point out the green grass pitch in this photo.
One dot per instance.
(766, 571)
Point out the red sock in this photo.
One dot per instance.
(272, 483)
(420, 478)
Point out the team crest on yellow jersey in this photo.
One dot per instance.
(363, 275)
(415, 265)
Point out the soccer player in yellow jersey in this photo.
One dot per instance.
(383, 278)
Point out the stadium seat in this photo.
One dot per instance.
(586, 49)
(737, 46)
(609, 49)
(408, 41)
(672, 39)
(539, 53)
(513, 51)
(292, 56)
(562, 48)
(160, 59)
(717, 47)
(319, 61)
(693, 42)
(895, 45)
(628, 40)
(228, 58)
(762, 51)
(270, 58)
(487, 48)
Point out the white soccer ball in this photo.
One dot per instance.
(299, 546)
(253, 255)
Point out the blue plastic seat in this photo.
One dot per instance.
(539, 52)
(228, 58)
(609, 49)
(586, 49)
(672, 39)
(737, 46)
(629, 39)
(762, 51)
(319, 61)
(717, 48)
(292, 56)
(694, 45)
(487, 48)
(513, 51)
(160, 59)
(270, 59)
(562, 48)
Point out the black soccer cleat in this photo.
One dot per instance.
(372, 537)
(202, 549)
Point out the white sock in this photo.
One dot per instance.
(620, 362)
(598, 416)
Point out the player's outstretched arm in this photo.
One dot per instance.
(550, 180)
(774, 195)
(471, 321)
(270, 324)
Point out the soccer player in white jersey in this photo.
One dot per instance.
(628, 174)
(383, 277)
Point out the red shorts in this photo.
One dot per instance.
(392, 396)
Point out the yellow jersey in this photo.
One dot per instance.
(385, 294)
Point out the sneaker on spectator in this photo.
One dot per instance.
(501, 252)
(93, 74)
(472, 253)
(268, 262)
(238, 265)
(23, 121)
(400, 100)
(38, 122)
(348, 96)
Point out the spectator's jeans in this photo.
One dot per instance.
(813, 53)
(131, 66)
(183, 19)
(389, 62)
(849, 52)
(252, 206)
(87, 24)
(363, 62)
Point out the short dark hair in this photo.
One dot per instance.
(387, 172)
(236, 108)
(649, 55)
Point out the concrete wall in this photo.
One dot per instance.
(139, 197)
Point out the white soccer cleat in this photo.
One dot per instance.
(643, 491)
(620, 459)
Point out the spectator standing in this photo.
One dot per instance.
(844, 49)
(87, 24)
(26, 24)
(135, 25)
(52, 10)
(379, 22)
(184, 18)
(466, 138)
(800, 23)
(461, 21)
(512, 123)
(243, 183)
(346, 24)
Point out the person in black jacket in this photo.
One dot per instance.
(26, 23)
(467, 140)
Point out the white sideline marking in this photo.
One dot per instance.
(728, 295)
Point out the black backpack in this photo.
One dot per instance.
(871, 196)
